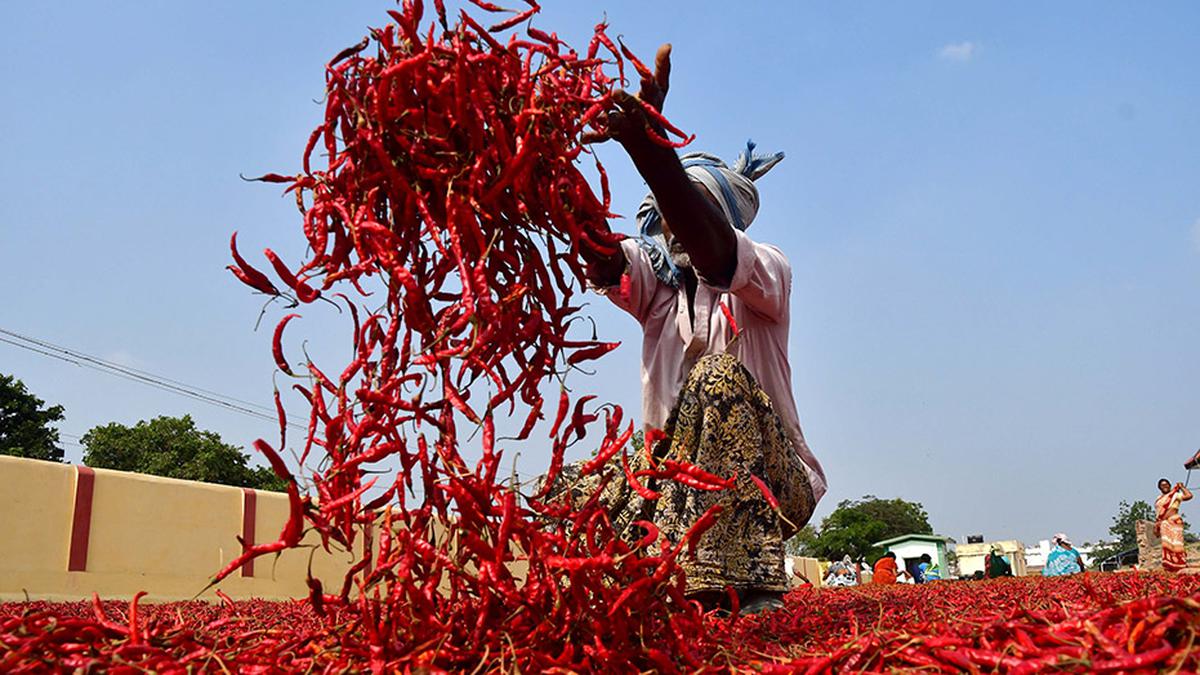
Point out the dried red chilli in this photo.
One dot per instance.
(733, 325)
(277, 344)
(510, 22)
(281, 414)
(702, 525)
(1025, 625)
(304, 292)
(766, 492)
(444, 182)
(607, 452)
(247, 274)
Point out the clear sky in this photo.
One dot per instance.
(992, 212)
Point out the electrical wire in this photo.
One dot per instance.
(84, 360)
(78, 358)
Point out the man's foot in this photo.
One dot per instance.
(757, 602)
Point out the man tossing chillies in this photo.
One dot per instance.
(714, 309)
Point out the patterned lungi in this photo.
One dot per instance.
(723, 423)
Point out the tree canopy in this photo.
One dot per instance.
(25, 429)
(855, 526)
(1124, 526)
(175, 448)
(1123, 529)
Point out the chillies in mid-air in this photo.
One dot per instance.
(442, 198)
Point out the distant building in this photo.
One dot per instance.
(909, 547)
(971, 556)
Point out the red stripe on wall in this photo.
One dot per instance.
(249, 512)
(81, 520)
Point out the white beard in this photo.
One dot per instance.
(679, 256)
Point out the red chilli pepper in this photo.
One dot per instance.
(607, 452)
(643, 491)
(247, 274)
(701, 526)
(304, 292)
(733, 325)
(277, 345)
(766, 492)
(509, 23)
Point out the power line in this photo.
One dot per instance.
(129, 369)
(82, 359)
(78, 358)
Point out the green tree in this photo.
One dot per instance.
(1124, 526)
(25, 429)
(855, 526)
(175, 448)
(1123, 529)
(803, 542)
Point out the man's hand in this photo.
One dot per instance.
(627, 124)
(697, 222)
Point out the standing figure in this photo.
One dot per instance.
(1168, 524)
(714, 307)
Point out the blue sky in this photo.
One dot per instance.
(991, 212)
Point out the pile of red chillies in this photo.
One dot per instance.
(1122, 622)
(445, 211)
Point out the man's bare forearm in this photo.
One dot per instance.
(694, 220)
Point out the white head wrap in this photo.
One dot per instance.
(733, 188)
(1061, 538)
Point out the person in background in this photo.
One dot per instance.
(995, 564)
(926, 570)
(885, 569)
(1063, 558)
(1168, 524)
(841, 573)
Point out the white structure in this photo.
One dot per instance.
(908, 550)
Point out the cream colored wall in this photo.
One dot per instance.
(36, 502)
(971, 556)
(164, 536)
(808, 568)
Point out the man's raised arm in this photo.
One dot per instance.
(694, 220)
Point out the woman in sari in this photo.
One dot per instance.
(1063, 558)
(996, 565)
(1168, 524)
(885, 569)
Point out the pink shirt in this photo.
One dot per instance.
(758, 299)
